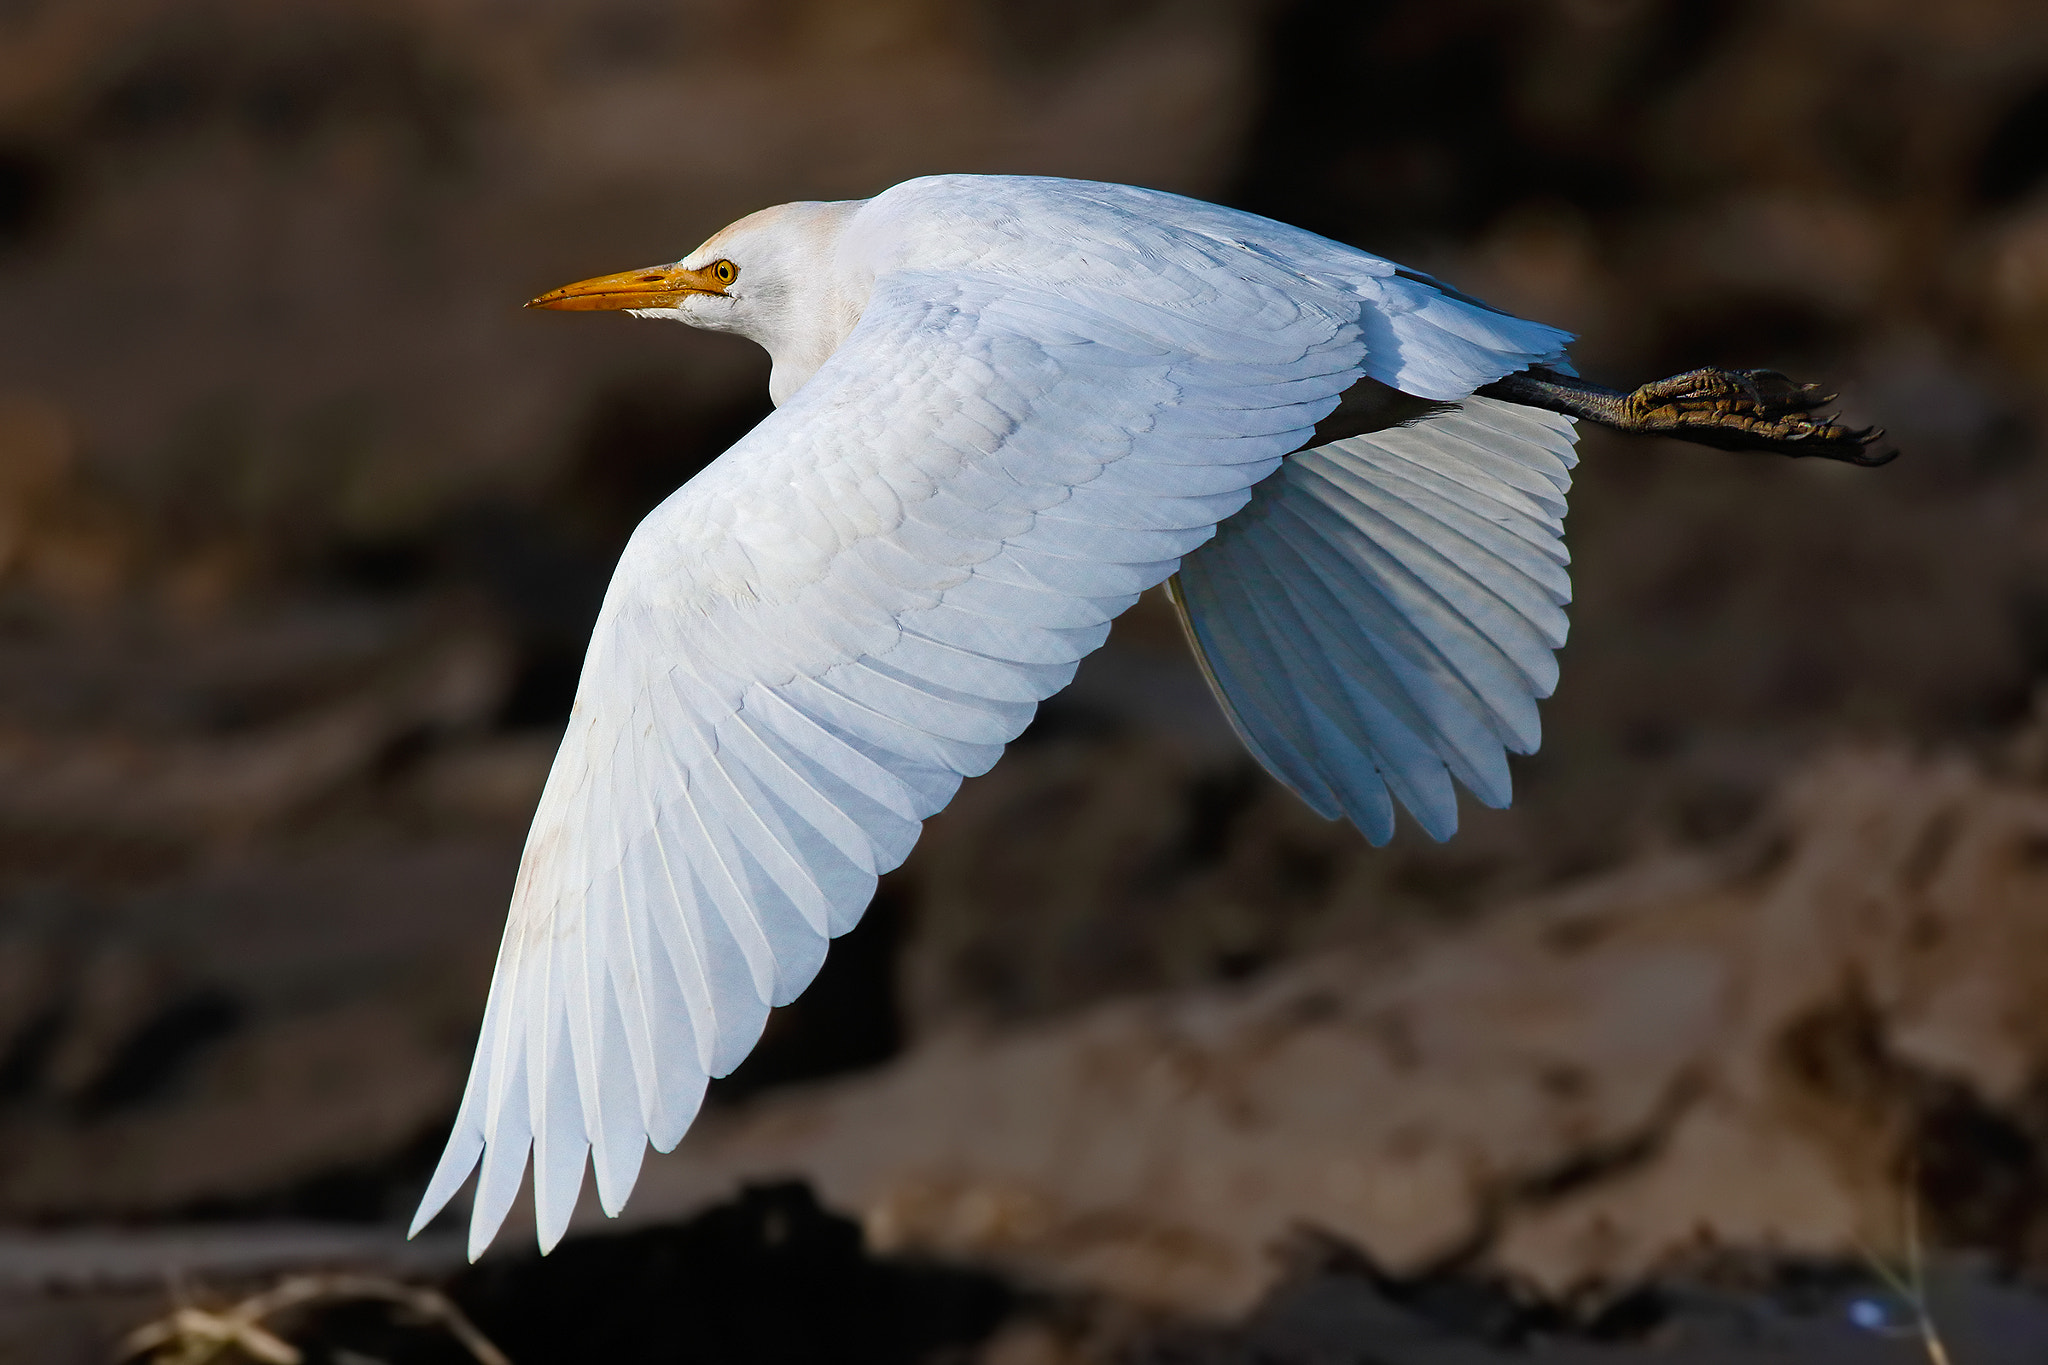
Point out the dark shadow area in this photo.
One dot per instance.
(29, 188)
(149, 1064)
(2015, 159)
(382, 1189)
(770, 1278)
(1334, 1303)
(1393, 125)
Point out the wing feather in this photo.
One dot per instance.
(619, 1118)
(673, 917)
(1425, 565)
(1237, 658)
(560, 1146)
(504, 1163)
(1453, 735)
(1410, 768)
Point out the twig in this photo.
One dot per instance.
(1916, 1269)
(1912, 1286)
(195, 1336)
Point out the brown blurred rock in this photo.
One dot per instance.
(1767, 1047)
(230, 1041)
(181, 788)
(322, 1090)
(496, 781)
(272, 262)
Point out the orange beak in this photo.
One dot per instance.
(657, 286)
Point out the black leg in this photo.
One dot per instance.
(1729, 409)
(1369, 406)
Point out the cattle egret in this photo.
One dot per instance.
(1004, 408)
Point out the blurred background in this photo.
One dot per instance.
(303, 523)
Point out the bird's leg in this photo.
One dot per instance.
(1369, 406)
(1730, 409)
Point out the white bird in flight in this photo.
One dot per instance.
(1005, 407)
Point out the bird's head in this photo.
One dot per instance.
(773, 277)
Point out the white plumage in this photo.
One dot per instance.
(1007, 406)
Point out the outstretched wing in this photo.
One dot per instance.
(1382, 617)
(807, 647)
(802, 654)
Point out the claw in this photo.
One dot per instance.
(1850, 446)
(1759, 409)
(1864, 456)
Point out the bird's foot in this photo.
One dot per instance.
(1749, 410)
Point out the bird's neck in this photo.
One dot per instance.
(821, 297)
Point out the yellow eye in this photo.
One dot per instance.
(725, 272)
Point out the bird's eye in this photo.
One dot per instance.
(725, 272)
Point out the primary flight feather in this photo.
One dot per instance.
(1005, 407)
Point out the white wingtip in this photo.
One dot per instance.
(616, 1161)
(681, 1098)
(465, 1145)
(496, 1187)
(557, 1181)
